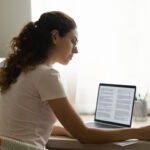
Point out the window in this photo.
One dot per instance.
(114, 46)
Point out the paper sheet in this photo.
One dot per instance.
(127, 142)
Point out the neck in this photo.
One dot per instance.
(50, 62)
(52, 59)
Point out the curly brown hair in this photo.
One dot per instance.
(32, 46)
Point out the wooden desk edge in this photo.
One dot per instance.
(61, 142)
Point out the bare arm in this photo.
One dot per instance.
(58, 130)
(75, 126)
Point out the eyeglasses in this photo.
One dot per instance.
(74, 42)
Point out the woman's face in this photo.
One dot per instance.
(65, 47)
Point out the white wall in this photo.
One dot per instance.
(114, 45)
(14, 14)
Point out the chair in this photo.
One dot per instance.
(12, 144)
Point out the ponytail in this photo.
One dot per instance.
(21, 59)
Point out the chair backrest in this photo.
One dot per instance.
(12, 144)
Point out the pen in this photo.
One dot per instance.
(140, 98)
(145, 96)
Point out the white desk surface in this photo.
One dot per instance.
(60, 142)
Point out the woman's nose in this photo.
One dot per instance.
(75, 50)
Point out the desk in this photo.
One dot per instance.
(65, 143)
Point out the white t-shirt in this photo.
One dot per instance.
(24, 110)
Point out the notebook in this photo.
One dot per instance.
(114, 107)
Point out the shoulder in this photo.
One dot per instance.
(49, 83)
(46, 70)
(41, 72)
(46, 73)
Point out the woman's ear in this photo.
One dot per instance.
(55, 35)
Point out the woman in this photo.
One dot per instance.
(32, 92)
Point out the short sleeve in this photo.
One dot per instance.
(50, 86)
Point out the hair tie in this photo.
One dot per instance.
(36, 24)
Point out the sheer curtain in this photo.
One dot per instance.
(114, 46)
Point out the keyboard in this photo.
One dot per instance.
(101, 125)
